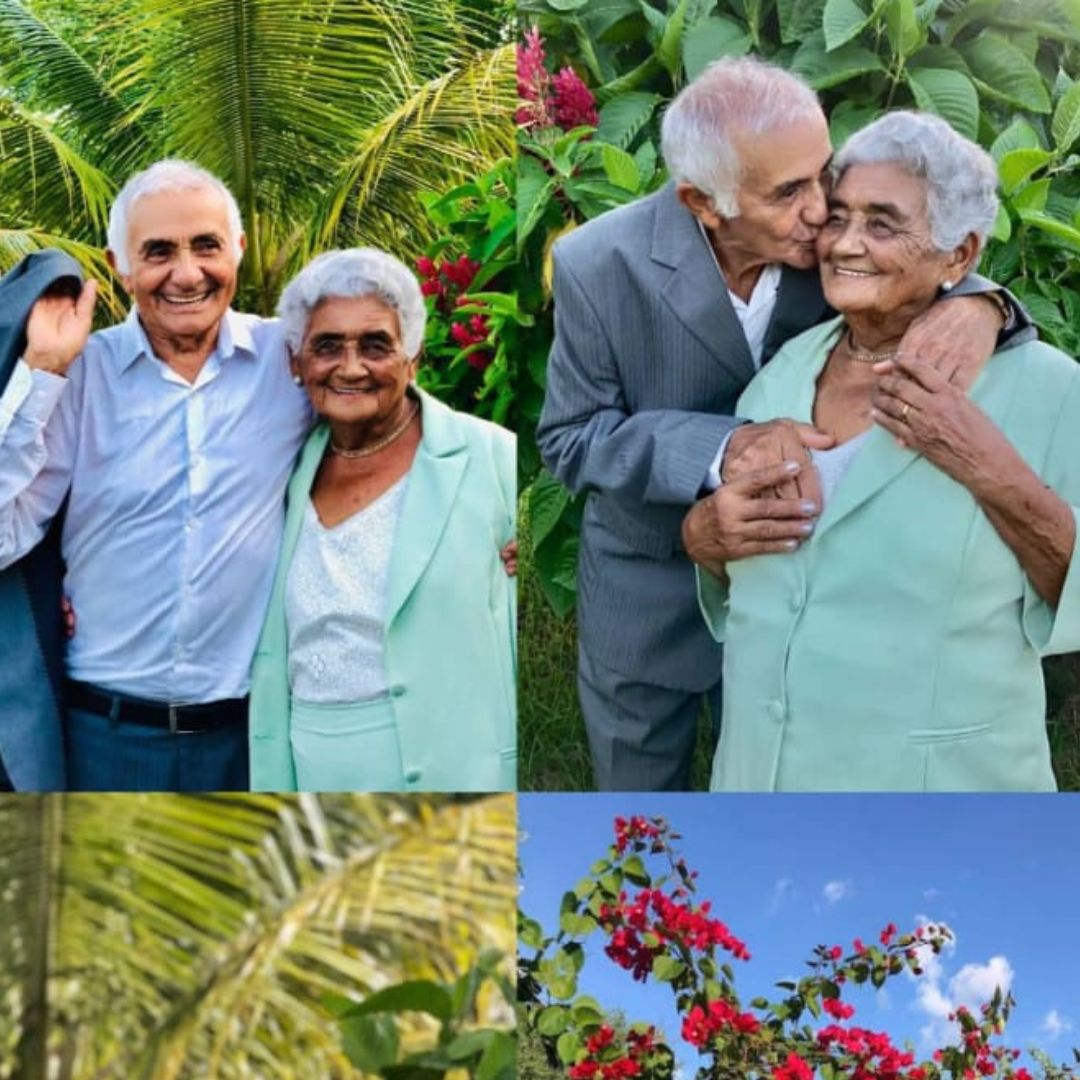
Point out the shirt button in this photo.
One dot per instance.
(413, 776)
(796, 601)
(777, 711)
(397, 690)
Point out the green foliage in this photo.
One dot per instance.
(1000, 71)
(328, 122)
(177, 938)
(476, 222)
(371, 1040)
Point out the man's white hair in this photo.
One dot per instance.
(731, 96)
(169, 175)
(961, 178)
(351, 274)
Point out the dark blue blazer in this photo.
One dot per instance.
(31, 640)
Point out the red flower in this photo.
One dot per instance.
(794, 1069)
(572, 101)
(888, 934)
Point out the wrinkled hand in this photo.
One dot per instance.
(926, 413)
(67, 616)
(58, 328)
(736, 520)
(955, 337)
(509, 555)
(754, 447)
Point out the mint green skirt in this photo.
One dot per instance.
(351, 747)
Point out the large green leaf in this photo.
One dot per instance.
(1065, 127)
(841, 21)
(624, 116)
(847, 118)
(823, 69)
(949, 94)
(902, 27)
(1019, 135)
(712, 38)
(1017, 166)
(1004, 72)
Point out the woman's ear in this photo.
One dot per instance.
(962, 260)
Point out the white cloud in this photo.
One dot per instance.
(835, 891)
(783, 890)
(1055, 1024)
(938, 994)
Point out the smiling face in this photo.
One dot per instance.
(352, 362)
(878, 260)
(182, 265)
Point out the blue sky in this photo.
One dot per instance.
(788, 872)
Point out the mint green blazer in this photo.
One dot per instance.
(899, 648)
(450, 637)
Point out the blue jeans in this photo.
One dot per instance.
(106, 755)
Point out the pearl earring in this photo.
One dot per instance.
(296, 379)
(946, 286)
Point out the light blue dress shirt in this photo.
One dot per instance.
(176, 502)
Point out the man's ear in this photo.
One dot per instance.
(124, 278)
(699, 204)
(963, 259)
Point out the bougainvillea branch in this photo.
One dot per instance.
(657, 930)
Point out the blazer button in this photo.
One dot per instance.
(397, 690)
(777, 711)
(413, 776)
(797, 601)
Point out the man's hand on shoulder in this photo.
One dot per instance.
(754, 447)
(58, 328)
(956, 337)
(741, 518)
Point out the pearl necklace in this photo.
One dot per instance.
(382, 444)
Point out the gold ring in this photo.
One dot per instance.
(904, 411)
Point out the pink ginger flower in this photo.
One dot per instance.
(572, 101)
(532, 82)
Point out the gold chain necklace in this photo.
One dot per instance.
(867, 356)
(382, 444)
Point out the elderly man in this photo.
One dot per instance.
(664, 310)
(172, 436)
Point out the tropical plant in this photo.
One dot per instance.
(371, 1038)
(1000, 71)
(640, 898)
(328, 121)
(168, 936)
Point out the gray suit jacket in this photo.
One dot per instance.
(648, 361)
(31, 644)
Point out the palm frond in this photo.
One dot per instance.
(196, 930)
(440, 134)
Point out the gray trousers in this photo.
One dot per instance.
(641, 736)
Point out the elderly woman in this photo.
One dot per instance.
(898, 647)
(387, 658)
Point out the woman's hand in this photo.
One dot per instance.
(926, 413)
(956, 336)
(509, 558)
(933, 417)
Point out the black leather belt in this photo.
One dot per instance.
(178, 719)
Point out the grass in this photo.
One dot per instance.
(554, 754)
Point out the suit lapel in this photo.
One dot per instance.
(695, 292)
(434, 481)
(799, 305)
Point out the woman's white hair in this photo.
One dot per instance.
(351, 274)
(731, 96)
(169, 175)
(961, 178)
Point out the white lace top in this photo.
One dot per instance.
(833, 464)
(335, 603)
